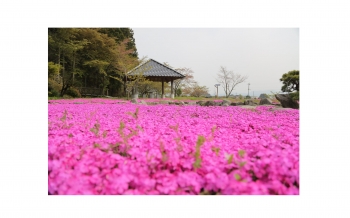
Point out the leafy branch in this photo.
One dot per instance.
(198, 159)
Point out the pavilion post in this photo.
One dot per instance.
(163, 96)
(172, 89)
(135, 93)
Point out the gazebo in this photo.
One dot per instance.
(157, 72)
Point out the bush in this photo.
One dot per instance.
(54, 93)
(294, 96)
(67, 96)
(53, 88)
(73, 92)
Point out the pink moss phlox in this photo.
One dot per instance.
(97, 146)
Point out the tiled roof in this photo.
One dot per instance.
(152, 68)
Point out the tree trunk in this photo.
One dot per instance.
(59, 60)
(73, 66)
(63, 90)
(125, 80)
(172, 89)
(66, 83)
(163, 96)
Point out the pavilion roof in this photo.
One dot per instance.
(156, 71)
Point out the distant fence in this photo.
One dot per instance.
(94, 92)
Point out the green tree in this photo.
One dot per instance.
(60, 52)
(178, 92)
(53, 69)
(121, 34)
(91, 57)
(198, 90)
(291, 83)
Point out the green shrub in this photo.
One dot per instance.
(53, 88)
(54, 93)
(67, 96)
(73, 92)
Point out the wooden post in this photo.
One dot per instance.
(172, 89)
(163, 96)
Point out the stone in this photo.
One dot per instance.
(152, 103)
(134, 101)
(191, 103)
(286, 101)
(265, 101)
(281, 108)
(163, 102)
(171, 102)
(143, 102)
(179, 103)
(201, 103)
(249, 102)
(210, 103)
(248, 106)
(135, 96)
(227, 102)
(263, 96)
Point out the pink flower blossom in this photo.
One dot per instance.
(104, 146)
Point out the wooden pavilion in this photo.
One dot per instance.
(157, 72)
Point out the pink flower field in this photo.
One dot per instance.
(113, 147)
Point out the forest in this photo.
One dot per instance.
(89, 57)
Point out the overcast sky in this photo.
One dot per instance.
(262, 54)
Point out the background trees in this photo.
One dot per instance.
(183, 83)
(229, 80)
(198, 91)
(90, 57)
(291, 83)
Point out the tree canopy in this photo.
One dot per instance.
(291, 83)
(198, 91)
(90, 57)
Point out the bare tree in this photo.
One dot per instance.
(187, 81)
(184, 83)
(229, 80)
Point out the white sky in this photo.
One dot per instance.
(263, 54)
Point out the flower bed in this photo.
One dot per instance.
(103, 147)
